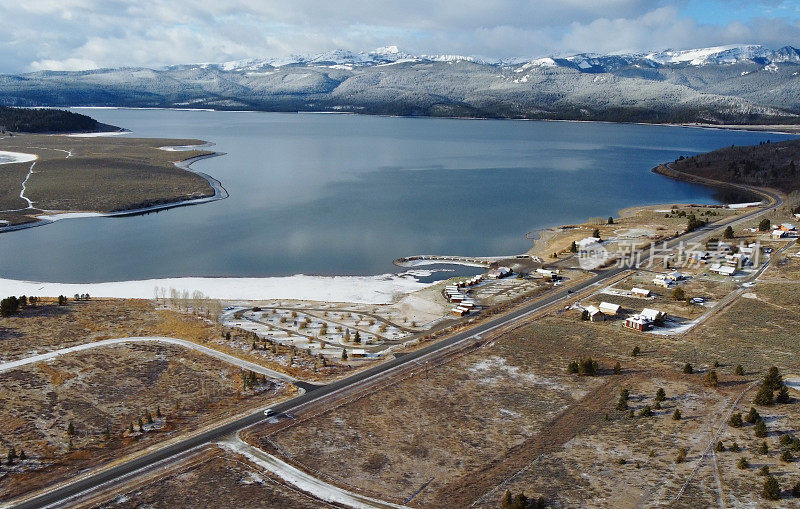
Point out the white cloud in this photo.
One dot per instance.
(69, 64)
(71, 34)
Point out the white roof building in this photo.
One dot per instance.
(644, 292)
(725, 270)
(652, 314)
(609, 308)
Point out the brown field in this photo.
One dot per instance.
(510, 417)
(637, 225)
(101, 175)
(47, 327)
(212, 477)
(112, 388)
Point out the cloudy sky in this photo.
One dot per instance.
(85, 34)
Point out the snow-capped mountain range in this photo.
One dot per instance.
(718, 55)
(738, 83)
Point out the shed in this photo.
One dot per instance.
(641, 292)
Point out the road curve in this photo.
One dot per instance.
(230, 359)
(301, 480)
(90, 481)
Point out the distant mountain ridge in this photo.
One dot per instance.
(724, 84)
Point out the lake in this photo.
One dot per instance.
(346, 194)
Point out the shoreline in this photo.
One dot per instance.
(790, 129)
(220, 193)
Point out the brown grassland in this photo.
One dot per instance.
(58, 412)
(509, 416)
(213, 477)
(102, 174)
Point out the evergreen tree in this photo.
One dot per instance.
(783, 395)
(743, 463)
(141, 424)
(158, 412)
(676, 415)
(660, 394)
(617, 368)
(752, 416)
(764, 396)
(344, 354)
(636, 351)
(739, 370)
(12, 455)
(760, 429)
(735, 420)
(711, 379)
(763, 448)
(22, 455)
(70, 429)
(772, 490)
(610, 220)
(728, 234)
(357, 337)
(106, 433)
(688, 369)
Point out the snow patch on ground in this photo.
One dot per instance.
(496, 370)
(381, 289)
(16, 157)
(98, 135)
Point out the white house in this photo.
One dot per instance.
(652, 314)
(640, 292)
(609, 308)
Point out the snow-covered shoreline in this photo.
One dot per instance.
(380, 289)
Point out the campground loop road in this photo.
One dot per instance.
(62, 493)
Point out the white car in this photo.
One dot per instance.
(269, 412)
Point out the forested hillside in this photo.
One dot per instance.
(26, 120)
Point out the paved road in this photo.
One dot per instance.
(80, 485)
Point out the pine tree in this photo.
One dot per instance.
(760, 429)
(660, 394)
(763, 448)
(617, 368)
(735, 420)
(130, 428)
(70, 429)
(688, 369)
(22, 455)
(158, 412)
(772, 490)
(743, 463)
(739, 371)
(711, 379)
(676, 415)
(357, 337)
(141, 424)
(344, 354)
(752, 416)
(783, 395)
(12, 455)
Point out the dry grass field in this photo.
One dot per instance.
(509, 416)
(213, 477)
(100, 174)
(77, 411)
(47, 327)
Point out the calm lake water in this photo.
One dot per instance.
(336, 194)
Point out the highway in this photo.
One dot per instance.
(61, 493)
